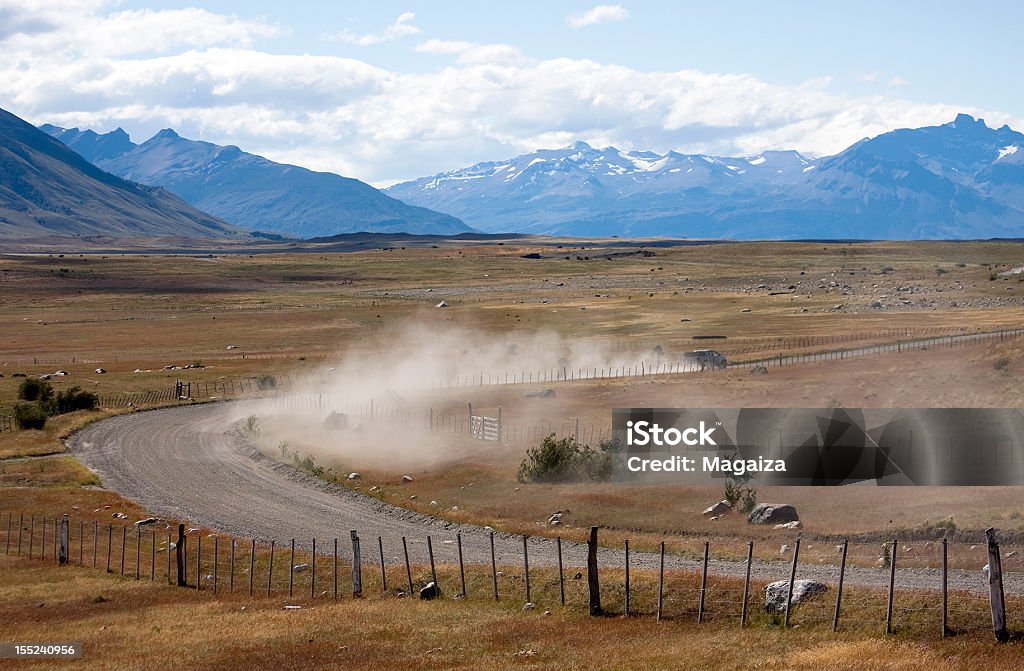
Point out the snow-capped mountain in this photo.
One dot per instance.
(958, 180)
(253, 192)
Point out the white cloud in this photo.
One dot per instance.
(485, 102)
(898, 81)
(472, 52)
(45, 32)
(402, 27)
(598, 14)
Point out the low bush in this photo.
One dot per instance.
(565, 460)
(29, 416)
(34, 389)
(74, 399)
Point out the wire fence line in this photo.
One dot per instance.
(260, 385)
(544, 571)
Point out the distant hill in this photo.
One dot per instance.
(959, 180)
(46, 189)
(251, 191)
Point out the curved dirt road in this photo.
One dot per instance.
(189, 463)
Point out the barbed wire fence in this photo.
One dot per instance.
(922, 599)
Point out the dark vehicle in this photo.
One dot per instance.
(703, 359)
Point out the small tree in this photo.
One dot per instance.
(738, 494)
(76, 399)
(29, 416)
(34, 389)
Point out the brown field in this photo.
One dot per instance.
(292, 315)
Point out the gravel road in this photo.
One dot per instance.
(191, 463)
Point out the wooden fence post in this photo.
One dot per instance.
(357, 569)
(152, 556)
(997, 600)
(383, 571)
(231, 568)
(561, 573)
(625, 607)
(433, 569)
(892, 586)
(746, 584)
(462, 569)
(62, 557)
(945, 587)
(312, 572)
(703, 582)
(124, 541)
(216, 557)
(839, 588)
(138, 550)
(494, 569)
(526, 567)
(792, 579)
(408, 570)
(661, 580)
(199, 560)
(593, 582)
(291, 570)
(252, 564)
(179, 553)
(270, 571)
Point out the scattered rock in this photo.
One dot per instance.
(429, 591)
(758, 370)
(784, 549)
(101, 371)
(773, 513)
(299, 568)
(775, 593)
(147, 521)
(555, 519)
(442, 304)
(795, 524)
(407, 478)
(529, 606)
(354, 476)
(543, 393)
(717, 509)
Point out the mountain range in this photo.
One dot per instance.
(46, 189)
(959, 180)
(251, 191)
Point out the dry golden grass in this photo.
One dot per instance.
(294, 311)
(124, 624)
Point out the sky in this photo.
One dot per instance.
(389, 91)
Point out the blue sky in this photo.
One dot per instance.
(387, 91)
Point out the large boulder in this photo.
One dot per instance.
(720, 508)
(773, 513)
(775, 593)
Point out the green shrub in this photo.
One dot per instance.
(565, 460)
(29, 416)
(738, 494)
(34, 389)
(75, 398)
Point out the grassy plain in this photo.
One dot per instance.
(293, 314)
